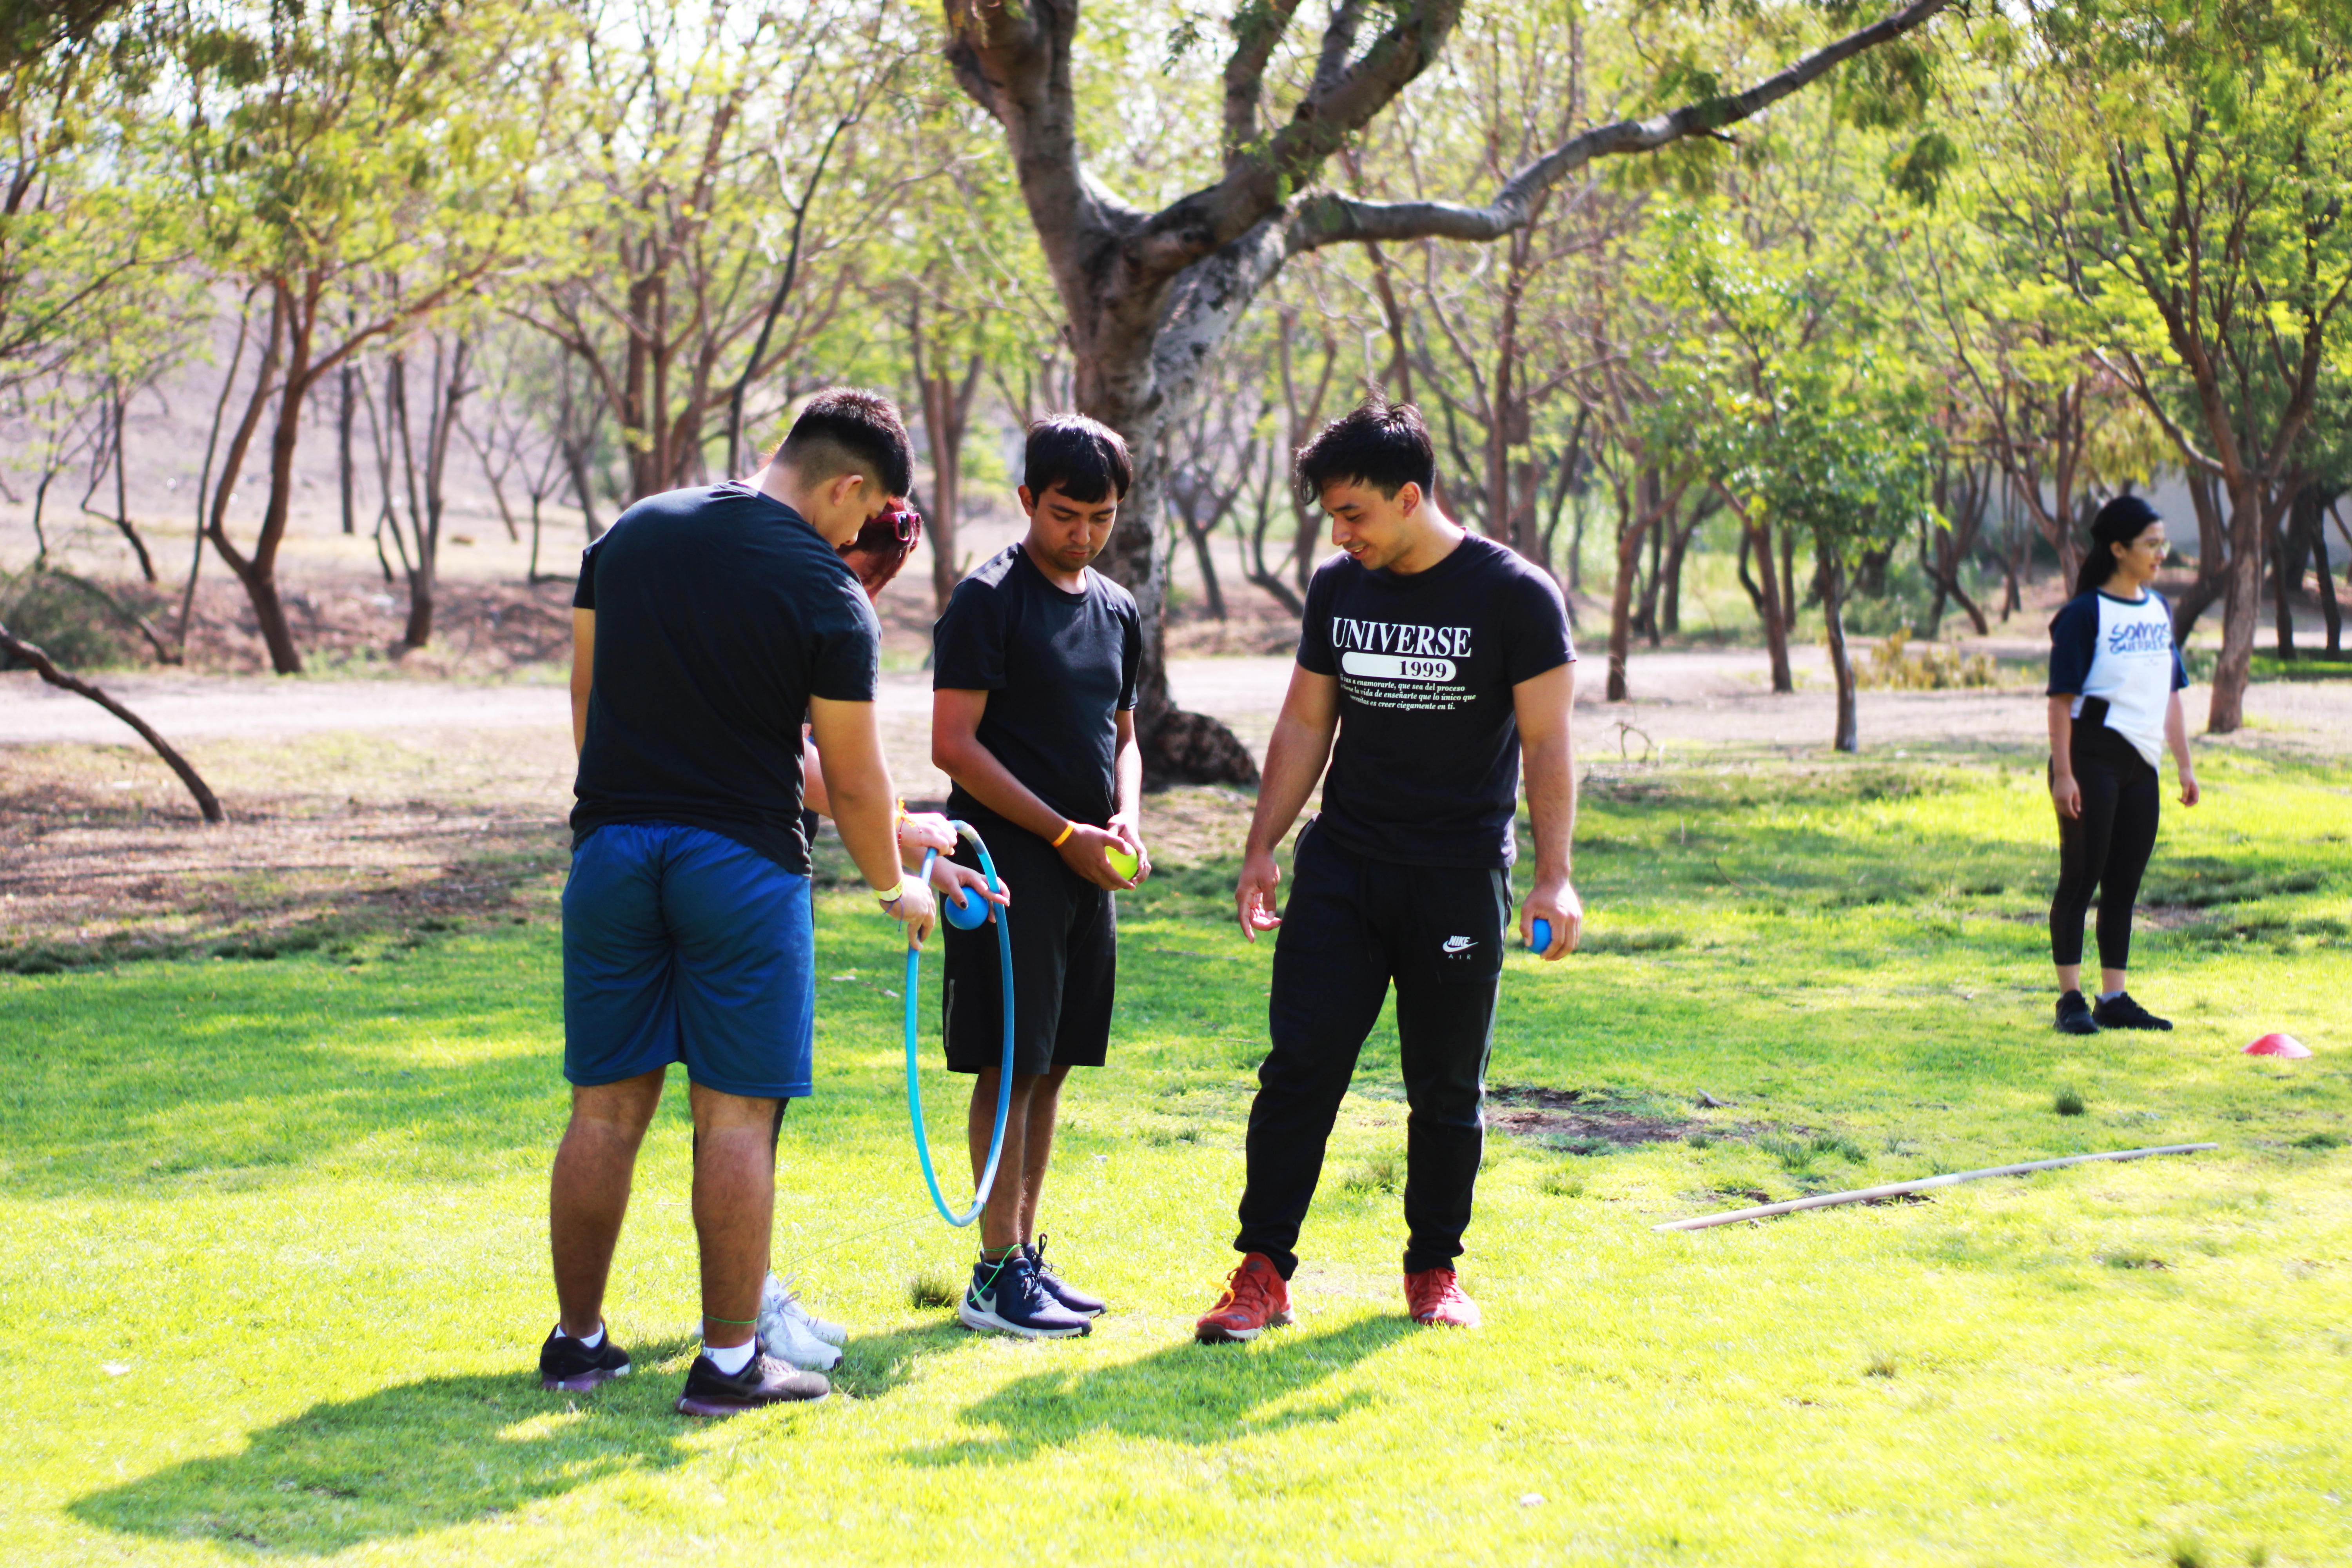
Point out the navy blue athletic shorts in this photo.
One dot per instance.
(1065, 934)
(681, 945)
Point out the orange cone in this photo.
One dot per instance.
(2278, 1045)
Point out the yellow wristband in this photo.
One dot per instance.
(1068, 828)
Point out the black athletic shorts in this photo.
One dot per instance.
(1064, 963)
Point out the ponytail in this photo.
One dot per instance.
(2119, 522)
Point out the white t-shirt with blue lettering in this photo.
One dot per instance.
(2121, 652)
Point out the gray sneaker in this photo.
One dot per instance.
(763, 1381)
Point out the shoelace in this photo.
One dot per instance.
(1430, 1295)
(1245, 1282)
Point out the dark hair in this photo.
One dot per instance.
(881, 548)
(1087, 458)
(2119, 522)
(843, 430)
(1376, 443)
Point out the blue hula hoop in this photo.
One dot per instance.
(1004, 1077)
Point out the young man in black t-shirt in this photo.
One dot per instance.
(1033, 715)
(705, 622)
(1435, 659)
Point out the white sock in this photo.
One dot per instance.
(2109, 995)
(596, 1339)
(734, 1358)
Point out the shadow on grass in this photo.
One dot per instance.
(405, 1461)
(875, 1364)
(1194, 1394)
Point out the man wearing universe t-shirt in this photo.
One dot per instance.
(1430, 660)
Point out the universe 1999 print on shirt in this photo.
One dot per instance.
(1401, 666)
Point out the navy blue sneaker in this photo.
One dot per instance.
(568, 1366)
(1061, 1290)
(1007, 1297)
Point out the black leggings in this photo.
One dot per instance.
(2107, 847)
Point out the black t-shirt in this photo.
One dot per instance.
(1057, 667)
(1426, 771)
(720, 612)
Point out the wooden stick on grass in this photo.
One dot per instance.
(24, 652)
(1896, 1189)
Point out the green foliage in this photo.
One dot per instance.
(1812, 431)
(65, 622)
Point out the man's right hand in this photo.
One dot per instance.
(1255, 894)
(1083, 850)
(915, 909)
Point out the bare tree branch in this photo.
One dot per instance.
(27, 653)
(1256, 29)
(1332, 218)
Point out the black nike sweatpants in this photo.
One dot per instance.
(1351, 926)
(2107, 847)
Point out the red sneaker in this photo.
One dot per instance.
(1435, 1296)
(1256, 1298)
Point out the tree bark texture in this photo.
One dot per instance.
(1151, 295)
(1832, 585)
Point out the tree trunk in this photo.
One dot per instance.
(1677, 553)
(1769, 598)
(344, 413)
(257, 574)
(584, 489)
(946, 409)
(1832, 586)
(1206, 560)
(449, 390)
(1651, 580)
(2286, 575)
(2242, 598)
(2314, 521)
(122, 523)
(1787, 587)
(1620, 598)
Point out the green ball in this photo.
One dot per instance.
(1125, 864)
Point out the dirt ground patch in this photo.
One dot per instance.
(338, 842)
(1576, 1120)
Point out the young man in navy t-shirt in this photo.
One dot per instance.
(1034, 680)
(705, 622)
(1430, 662)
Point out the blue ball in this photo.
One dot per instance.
(964, 910)
(1542, 943)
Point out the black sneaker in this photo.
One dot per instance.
(1061, 1290)
(2120, 1011)
(764, 1380)
(567, 1366)
(2074, 1015)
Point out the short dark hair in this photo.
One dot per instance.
(1376, 443)
(845, 430)
(1085, 456)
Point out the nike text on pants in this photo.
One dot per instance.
(1353, 924)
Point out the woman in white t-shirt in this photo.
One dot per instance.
(2114, 705)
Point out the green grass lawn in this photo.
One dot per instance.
(272, 1266)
